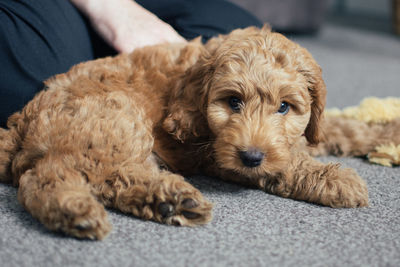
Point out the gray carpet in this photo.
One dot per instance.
(251, 228)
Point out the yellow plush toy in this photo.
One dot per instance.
(375, 110)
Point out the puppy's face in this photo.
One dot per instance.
(257, 93)
(259, 102)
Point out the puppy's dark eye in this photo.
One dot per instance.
(284, 108)
(235, 103)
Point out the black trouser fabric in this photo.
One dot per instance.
(41, 38)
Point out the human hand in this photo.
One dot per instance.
(126, 25)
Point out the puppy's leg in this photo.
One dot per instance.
(325, 184)
(117, 159)
(350, 137)
(61, 199)
(146, 192)
(8, 149)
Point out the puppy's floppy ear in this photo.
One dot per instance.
(317, 90)
(318, 95)
(186, 111)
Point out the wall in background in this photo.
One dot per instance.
(378, 8)
(306, 16)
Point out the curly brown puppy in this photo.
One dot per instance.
(120, 132)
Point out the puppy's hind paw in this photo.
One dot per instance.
(84, 217)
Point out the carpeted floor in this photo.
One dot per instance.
(251, 228)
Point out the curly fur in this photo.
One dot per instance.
(120, 132)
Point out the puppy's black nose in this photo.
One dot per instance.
(252, 157)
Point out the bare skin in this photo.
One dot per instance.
(125, 25)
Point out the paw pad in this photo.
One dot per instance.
(166, 209)
(189, 203)
(190, 215)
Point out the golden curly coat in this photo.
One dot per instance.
(120, 132)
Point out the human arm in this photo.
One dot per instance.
(126, 25)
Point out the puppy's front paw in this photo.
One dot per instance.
(186, 212)
(343, 188)
(179, 203)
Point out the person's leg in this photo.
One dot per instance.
(38, 39)
(208, 18)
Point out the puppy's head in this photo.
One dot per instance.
(257, 93)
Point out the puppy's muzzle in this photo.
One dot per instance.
(252, 157)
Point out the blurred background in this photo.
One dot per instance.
(307, 16)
